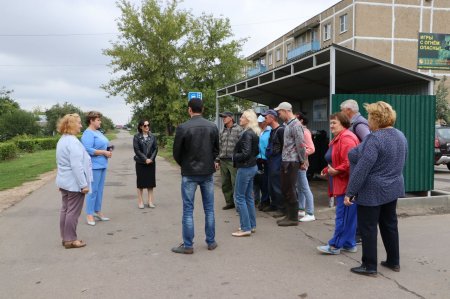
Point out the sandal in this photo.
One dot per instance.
(74, 244)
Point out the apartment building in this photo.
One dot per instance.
(384, 29)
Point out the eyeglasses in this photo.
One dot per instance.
(145, 126)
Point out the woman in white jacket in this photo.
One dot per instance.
(73, 179)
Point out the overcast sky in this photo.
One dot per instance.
(51, 50)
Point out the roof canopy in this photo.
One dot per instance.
(309, 77)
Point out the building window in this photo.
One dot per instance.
(270, 59)
(262, 61)
(278, 54)
(343, 22)
(313, 35)
(289, 47)
(327, 32)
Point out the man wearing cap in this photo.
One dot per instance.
(293, 157)
(261, 180)
(273, 154)
(227, 141)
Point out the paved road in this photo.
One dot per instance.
(130, 257)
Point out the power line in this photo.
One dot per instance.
(58, 34)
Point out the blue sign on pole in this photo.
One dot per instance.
(195, 94)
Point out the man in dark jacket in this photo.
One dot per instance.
(195, 148)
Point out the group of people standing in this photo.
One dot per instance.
(82, 169)
(365, 166)
(81, 173)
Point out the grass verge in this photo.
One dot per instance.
(166, 154)
(27, 167)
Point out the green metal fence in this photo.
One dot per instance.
(415, 118)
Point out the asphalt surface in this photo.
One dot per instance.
(130, 257)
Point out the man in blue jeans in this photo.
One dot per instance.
(195, 148)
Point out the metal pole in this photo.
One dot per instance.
(217, 109)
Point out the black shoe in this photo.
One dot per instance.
(282, 219)
(182, 249)
(278, 214)
(269, 209)
(212, 246)
(362, 270)
(395, 268)
(228, 207)
(288, 222)
(358, 239)
(262, 206)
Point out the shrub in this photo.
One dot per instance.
(168, 142)
(47, 143)
(27, 145)
(8, 151)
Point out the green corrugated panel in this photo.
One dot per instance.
(415, 118)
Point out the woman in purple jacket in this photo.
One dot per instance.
(376, 182)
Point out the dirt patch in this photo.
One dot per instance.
(10, 197)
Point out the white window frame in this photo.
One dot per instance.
(313, 35)
(327, 32)
(278, 54)
(343, 23)
(270, 59)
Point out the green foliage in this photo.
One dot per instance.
(25, 168)
(163, 53)
(8, 150)
(30, 144)
(107, 124)
(18, 122)
(56, 112)
(168, 142)
(7, 104)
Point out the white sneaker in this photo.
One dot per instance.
(308, 218)
(301, 214)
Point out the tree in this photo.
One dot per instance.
(7, 104)
(442, 106)
(18, 122)
(57, 111)
(163, 53)
(213, 60)
(107, 123)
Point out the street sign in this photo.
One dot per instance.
(195, 94)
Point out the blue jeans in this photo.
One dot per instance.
(345, 229)
(243, 194)
(95, 198)
(304, 194)
(188, 187)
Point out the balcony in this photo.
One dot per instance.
(257, 70)
(314, 46)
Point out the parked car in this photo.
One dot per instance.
(442, 146)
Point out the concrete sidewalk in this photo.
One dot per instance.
(130, 257)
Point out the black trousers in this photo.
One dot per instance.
(385, 216)
(289, 173)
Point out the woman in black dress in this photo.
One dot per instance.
(145, 149)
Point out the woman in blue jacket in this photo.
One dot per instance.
(96, 145)
(376, 182)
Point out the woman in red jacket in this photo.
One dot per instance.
(339, 169)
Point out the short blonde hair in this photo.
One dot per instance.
(381, 113)
(68, 124)
(250, 115)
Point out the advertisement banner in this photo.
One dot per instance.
(434, 51)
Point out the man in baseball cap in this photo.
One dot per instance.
(227, 141)
(270, 112)
(293, 157)
(284, 106)
(261, 180)
(226, 114)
